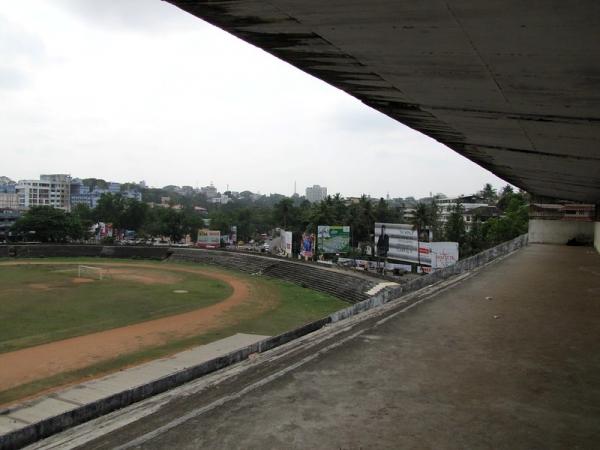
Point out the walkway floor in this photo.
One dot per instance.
(506, 359)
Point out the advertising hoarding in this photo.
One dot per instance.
(307, 245)
(403, 246)
(209, 238)
(443, 254)
(233, 235)
(286, 243)
(333, 238)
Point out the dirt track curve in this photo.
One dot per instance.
(42, 361)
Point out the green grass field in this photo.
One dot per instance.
(44, 303)
(40, 304)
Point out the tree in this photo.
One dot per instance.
(48, 224)
(514, 222)
(434, 219)
(283, 212)
(361, 218)
(455, 230)
(506, 195)
(382, 212)
(420, 221)
(82, 218)
(489, 193)
(133, 215)
(173, 224)
(475, 239)
(110, 209)
(192, 222)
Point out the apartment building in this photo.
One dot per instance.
(81, 194)
(316, 193)
(8, 194)
(8, 217)
(468, 203)
(50, 190)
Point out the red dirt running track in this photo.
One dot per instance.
(42, 361)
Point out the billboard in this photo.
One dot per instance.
(233, 235)
(333, 238)
(307, 245)
(403, 241)
(443, 254)
(286, 242)
(209, 238)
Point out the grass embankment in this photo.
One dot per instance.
(294, 306)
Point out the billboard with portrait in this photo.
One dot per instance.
(307, 245)
(403, 245)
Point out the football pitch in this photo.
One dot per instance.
(66, 320)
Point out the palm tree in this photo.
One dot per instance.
(283, 211)
(420, 221)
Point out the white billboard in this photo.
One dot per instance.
(286, 242)
(443, 254)
(403, 246)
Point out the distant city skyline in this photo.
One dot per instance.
(242, 189)
(131, 90)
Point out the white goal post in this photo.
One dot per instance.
(90, 272)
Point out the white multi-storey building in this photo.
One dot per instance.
(50, 190)
(468, 203)
(316, 193)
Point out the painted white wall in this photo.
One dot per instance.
(559, 231)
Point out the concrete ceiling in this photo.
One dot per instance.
(513, 85)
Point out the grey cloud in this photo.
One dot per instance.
(12, 79)
(362, 119)
(17, 43)
(131, 15)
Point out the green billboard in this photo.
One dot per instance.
(333, 238)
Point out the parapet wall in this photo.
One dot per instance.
(461, 266)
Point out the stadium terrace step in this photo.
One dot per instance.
(345, 286)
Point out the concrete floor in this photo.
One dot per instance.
(518, 371)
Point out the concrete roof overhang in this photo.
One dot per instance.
(510, 84)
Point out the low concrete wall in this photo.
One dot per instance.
(45, 251)
(558, 231)
(461, 266)
(45, 428)
(597, 236)
(135, 252)
(71, 251)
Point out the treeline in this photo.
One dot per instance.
(47, 224)
(512, 222)
(293, 214)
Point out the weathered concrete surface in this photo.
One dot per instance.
(507, 359)
(559, 231)
(597, 236)
(511, 85)
(48, 414)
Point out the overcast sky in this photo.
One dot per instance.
(130, 90)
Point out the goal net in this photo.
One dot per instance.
(96, 273)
